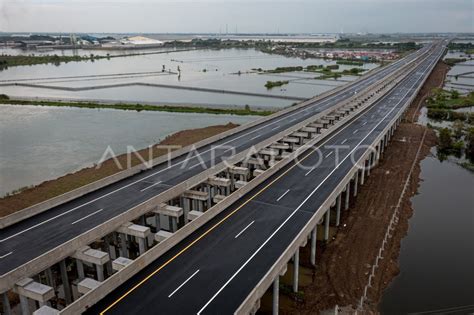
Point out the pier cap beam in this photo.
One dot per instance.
(34, 290)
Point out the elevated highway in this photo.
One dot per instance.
(227, 265)
(30, 245)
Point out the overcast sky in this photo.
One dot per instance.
(251, 16)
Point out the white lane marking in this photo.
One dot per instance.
(229, 149)
(365, 123)
(193, 166)
(245, 228)
(309, 172)
(275, 128)
(87, 216)
(7, 254)
(329, 154)
(157, 183)
(253, 138)
(183, 283)
(294, 211)
(355, 131)
(279, 198)
(343, 141)
(328, 100)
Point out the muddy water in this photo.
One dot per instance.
(437, 256)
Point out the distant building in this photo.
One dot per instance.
(134, 42)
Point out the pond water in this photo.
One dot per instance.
(41, 143)
(437, 256)
(214, 69)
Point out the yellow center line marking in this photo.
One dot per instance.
(202, 236)
(229, 215)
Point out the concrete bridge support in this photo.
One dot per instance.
(296, 269)
(139, 232)
(314, 238)
(356, 182)
(91, 256)
(172, 212)
(327, 220)
(348, 193)
(276, 295)
(65, 281)
(338, 209)
(6, 304)
(29, 289)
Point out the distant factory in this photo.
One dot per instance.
(134, 42)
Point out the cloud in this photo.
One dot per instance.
(248, 15)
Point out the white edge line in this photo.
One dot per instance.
(323, 102)
(245, 228)
(7, 254)
(157, 183)
(299, 207)
(183, 283)
(309, 171)
(87, 216)
(279, 198)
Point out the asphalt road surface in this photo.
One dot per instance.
(214, 270)
(33, 237)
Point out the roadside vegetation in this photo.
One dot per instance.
(452, 61)
(442, 105)
(271, 84)
(22, 60)
(247, 111)
(327, 72)
(350, 63)
(457, 138)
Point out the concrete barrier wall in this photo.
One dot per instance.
(61, 199)
(270, 276)
(130, 270)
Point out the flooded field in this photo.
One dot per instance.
(41, 143)
(229, 69)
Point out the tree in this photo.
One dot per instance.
(454, 94)
(445, 141)
(458, 127)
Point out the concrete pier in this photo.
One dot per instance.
(172, 212)
(120, 263)
(65, 281)
(29, 289)
(296, 269)
(314, 237)
(276, 295)
(326, 224)
(46, 310)
(87, 285)
(338, 209)
(92, 256)
(348, 193)
(161, 235)
(6, 304)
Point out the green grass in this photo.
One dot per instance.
(21, 60)
(141, 107)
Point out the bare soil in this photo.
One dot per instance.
(344, 265)
(61, 185)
